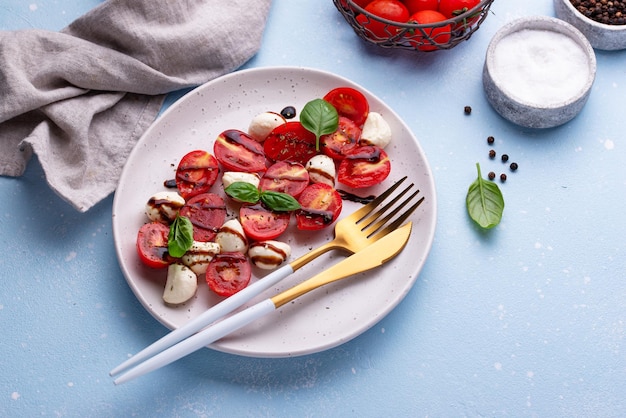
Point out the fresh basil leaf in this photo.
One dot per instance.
(180, 237)
(243, 192)
(248, 193)
(484, 202)
(319, 117)
(279, 202)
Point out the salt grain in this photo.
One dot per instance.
(540, 67)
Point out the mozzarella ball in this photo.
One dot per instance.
(321, 169)
(198, 257)
(270, 254)
(231, 237)
(181, 284)
(263, 123)
(231, 177)
(164, 206)
(376, 130)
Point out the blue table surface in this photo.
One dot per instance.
(528, 319)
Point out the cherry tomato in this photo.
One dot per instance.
(207, 213)
(196, 173)
(262, 224)
(290, 142)
(228, 273)
(364, 166)
(418, 5)
(321, 206)
(345, 138)
(393, 10)
(453, 8)
(349, 102)
(152, 244)
(438, 35)
(362, 3)
(238, 151)
(285, 177)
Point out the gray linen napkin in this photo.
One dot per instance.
(81, 98)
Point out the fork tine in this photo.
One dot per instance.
(373, 226)
(374, 216)
(361, 213)
(398, 221)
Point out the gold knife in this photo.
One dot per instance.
(371, 257)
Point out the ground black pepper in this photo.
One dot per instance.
(608, 12)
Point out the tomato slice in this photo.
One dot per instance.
(350, 103)
(228, 273)
(197, 171)
(238, 151)
(345, 138)
(321, 206)
(364, 166)
(207, 213)
(152, 245)
(290, 142)
(262, 224)
(285, 177)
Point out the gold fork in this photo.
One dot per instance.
(352, 234)
(358, 230)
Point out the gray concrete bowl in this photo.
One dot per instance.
(600, 35)
(503, 92)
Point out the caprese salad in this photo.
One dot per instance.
(276, 170)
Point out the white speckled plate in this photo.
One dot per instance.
(319, 320)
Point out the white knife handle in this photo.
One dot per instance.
(199, 340)
(207, 317)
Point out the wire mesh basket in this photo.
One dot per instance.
(418, 37)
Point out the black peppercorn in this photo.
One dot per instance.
(513, 166)
(505, 158)
(467, 110)
(491, 175)
(490, 140)
(492, 154)
(502, 177)
(602, 11)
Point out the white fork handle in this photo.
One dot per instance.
(208, 317)
(199, 340)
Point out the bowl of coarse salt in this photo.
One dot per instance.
(602, 22)
(538, 71)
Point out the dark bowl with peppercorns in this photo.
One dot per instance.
(603, 22)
